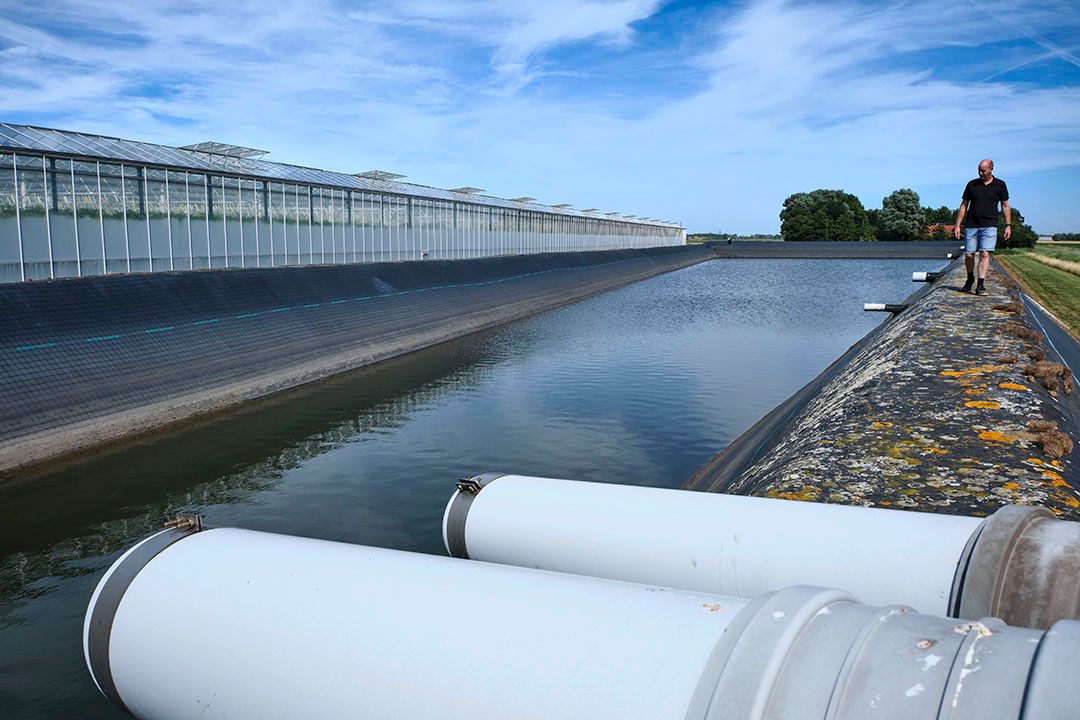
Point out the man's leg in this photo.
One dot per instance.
(984, 264)
(987, 243)
(971, 243)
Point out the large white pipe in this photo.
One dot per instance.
(1021, 564)
(708, 542)
(242, 624)
(250, 626)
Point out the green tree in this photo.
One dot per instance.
(939, 216)
(824, 215)
(873, 219)
(1022, 234)
(902, 216)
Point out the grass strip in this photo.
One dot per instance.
(1058, 252)
(1057, 290)
(1069, 266)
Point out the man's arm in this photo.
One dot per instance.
(960, 218)
(1007, 209)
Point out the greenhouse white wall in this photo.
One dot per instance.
(74, 205)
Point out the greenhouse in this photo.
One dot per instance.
(73, 204)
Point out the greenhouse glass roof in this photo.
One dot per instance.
(233, 160)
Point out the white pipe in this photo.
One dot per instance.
(706, 542)
(252, 626)
(241, 624)
(894, 308)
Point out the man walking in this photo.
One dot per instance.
(980, 207)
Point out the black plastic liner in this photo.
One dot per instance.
(76, 351)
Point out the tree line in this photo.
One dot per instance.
(836, 215)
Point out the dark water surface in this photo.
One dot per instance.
(640, 386)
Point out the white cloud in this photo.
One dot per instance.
(789, 96)
(517, 31)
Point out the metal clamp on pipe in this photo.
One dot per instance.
(228, 623)
(1020, 564)
(927, 277)
(111, 590)
(884, 307)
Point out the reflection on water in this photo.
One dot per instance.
(641, 385)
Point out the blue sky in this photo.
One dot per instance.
(706, 113)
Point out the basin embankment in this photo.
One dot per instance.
(958, 404)
(928, 249)
(94, 360)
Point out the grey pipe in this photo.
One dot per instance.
(1024, 567)
(805, 652)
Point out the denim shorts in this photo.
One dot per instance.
(976, 239)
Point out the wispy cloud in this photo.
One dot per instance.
(1005, 15)
(711, 115)
(517, 32)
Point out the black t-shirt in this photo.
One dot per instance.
(984, 199)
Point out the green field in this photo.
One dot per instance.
(1057, 290)
(1064, 252)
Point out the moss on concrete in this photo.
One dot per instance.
(933, 415)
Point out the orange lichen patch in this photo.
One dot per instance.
(885, 502)
(804, 494)
(1071, 501)
(1012, 386)
(1055, 479)
(995, 436)
(974, 391)
(984, 404)
(938, 451)
(977, 370)
(881, 424)
(1011, 486)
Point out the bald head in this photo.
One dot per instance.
(986, 168)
